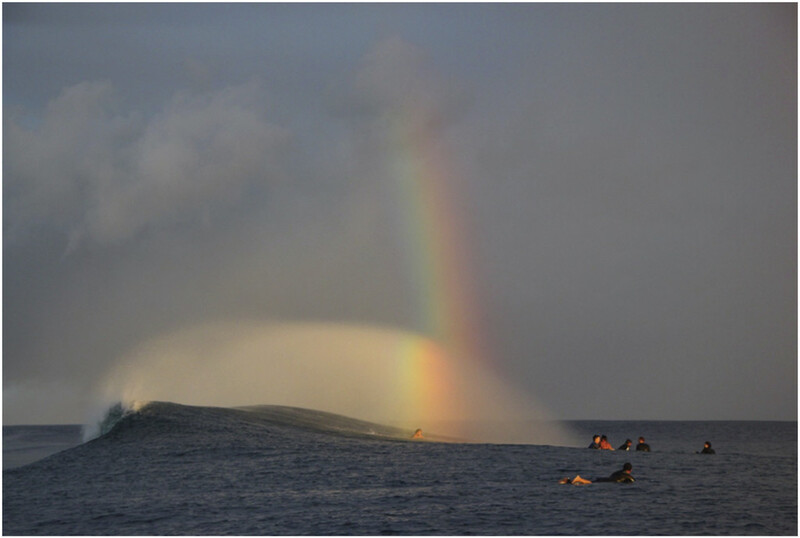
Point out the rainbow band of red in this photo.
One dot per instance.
(435, 242)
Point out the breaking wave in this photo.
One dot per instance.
(166, 419)
(109, 418)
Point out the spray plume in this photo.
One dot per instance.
(376, 374)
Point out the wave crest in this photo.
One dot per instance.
(110, 418)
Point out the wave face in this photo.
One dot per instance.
(240, 424)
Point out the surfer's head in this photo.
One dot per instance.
(627, 467)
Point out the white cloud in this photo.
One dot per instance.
(105, 176)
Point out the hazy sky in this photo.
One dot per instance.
(628, 174)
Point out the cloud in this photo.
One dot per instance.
(45, 167)
(623, 217)
(396, 78)
(106, 176)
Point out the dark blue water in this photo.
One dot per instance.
(171, 469)
(26, 444)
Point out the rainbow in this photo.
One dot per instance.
(432, 228)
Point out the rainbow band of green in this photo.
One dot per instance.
(438, 261)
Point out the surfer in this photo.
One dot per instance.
(642, 446)
(417, 434)
(707, 449)
(623, 476)
(595, 445)
(604, 444)
(627, 446)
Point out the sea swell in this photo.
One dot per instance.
(169, 469)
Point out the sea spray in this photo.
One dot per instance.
(373, 373)
(102, 423)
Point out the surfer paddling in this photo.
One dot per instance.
(417, 434)
(622, 476)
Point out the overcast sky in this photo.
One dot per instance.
(629, 173)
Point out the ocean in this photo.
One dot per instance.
(169, 469)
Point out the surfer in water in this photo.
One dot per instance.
(623, 476)
(707, 449)
(642, 446)
(417, 434)
(604, 444)
(595, 445)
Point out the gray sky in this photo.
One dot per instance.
(628, 173)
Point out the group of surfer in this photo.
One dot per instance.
(600, 442)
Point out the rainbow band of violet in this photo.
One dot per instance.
(435, 239)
